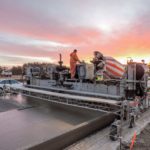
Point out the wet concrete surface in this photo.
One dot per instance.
(5, 106)
(26, 121)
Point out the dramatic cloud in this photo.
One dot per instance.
(19, 60)
(44, 28)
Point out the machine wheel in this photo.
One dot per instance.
(113, 134)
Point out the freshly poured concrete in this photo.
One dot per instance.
(5, 106)
(30, 121)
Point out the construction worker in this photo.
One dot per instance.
(99, 65)
(98, 60)
(73, 62)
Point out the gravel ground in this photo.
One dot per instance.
(143, 139)
(100, 140)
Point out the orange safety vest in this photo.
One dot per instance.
(73, 60)
(73, 57)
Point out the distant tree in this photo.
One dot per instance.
(16, 70)
(35, 64)
(1, 69)
(149, 68)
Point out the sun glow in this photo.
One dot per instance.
(124, 59)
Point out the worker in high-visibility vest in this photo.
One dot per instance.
(98, 61)
(99, 65)
(73, 62)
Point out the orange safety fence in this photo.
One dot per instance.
(133, 141)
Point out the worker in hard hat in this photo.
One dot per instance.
(99, 65)
(73, 62)
(98, 60)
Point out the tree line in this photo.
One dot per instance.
(20, 70)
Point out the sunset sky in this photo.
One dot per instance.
(38, 30)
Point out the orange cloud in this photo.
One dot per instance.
(132, 40)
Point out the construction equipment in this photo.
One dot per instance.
(98, 104)
(85, 71)
(109, 67)
(132, 117)
(115, 130)
(137, 78)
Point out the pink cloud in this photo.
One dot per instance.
(25, 22)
